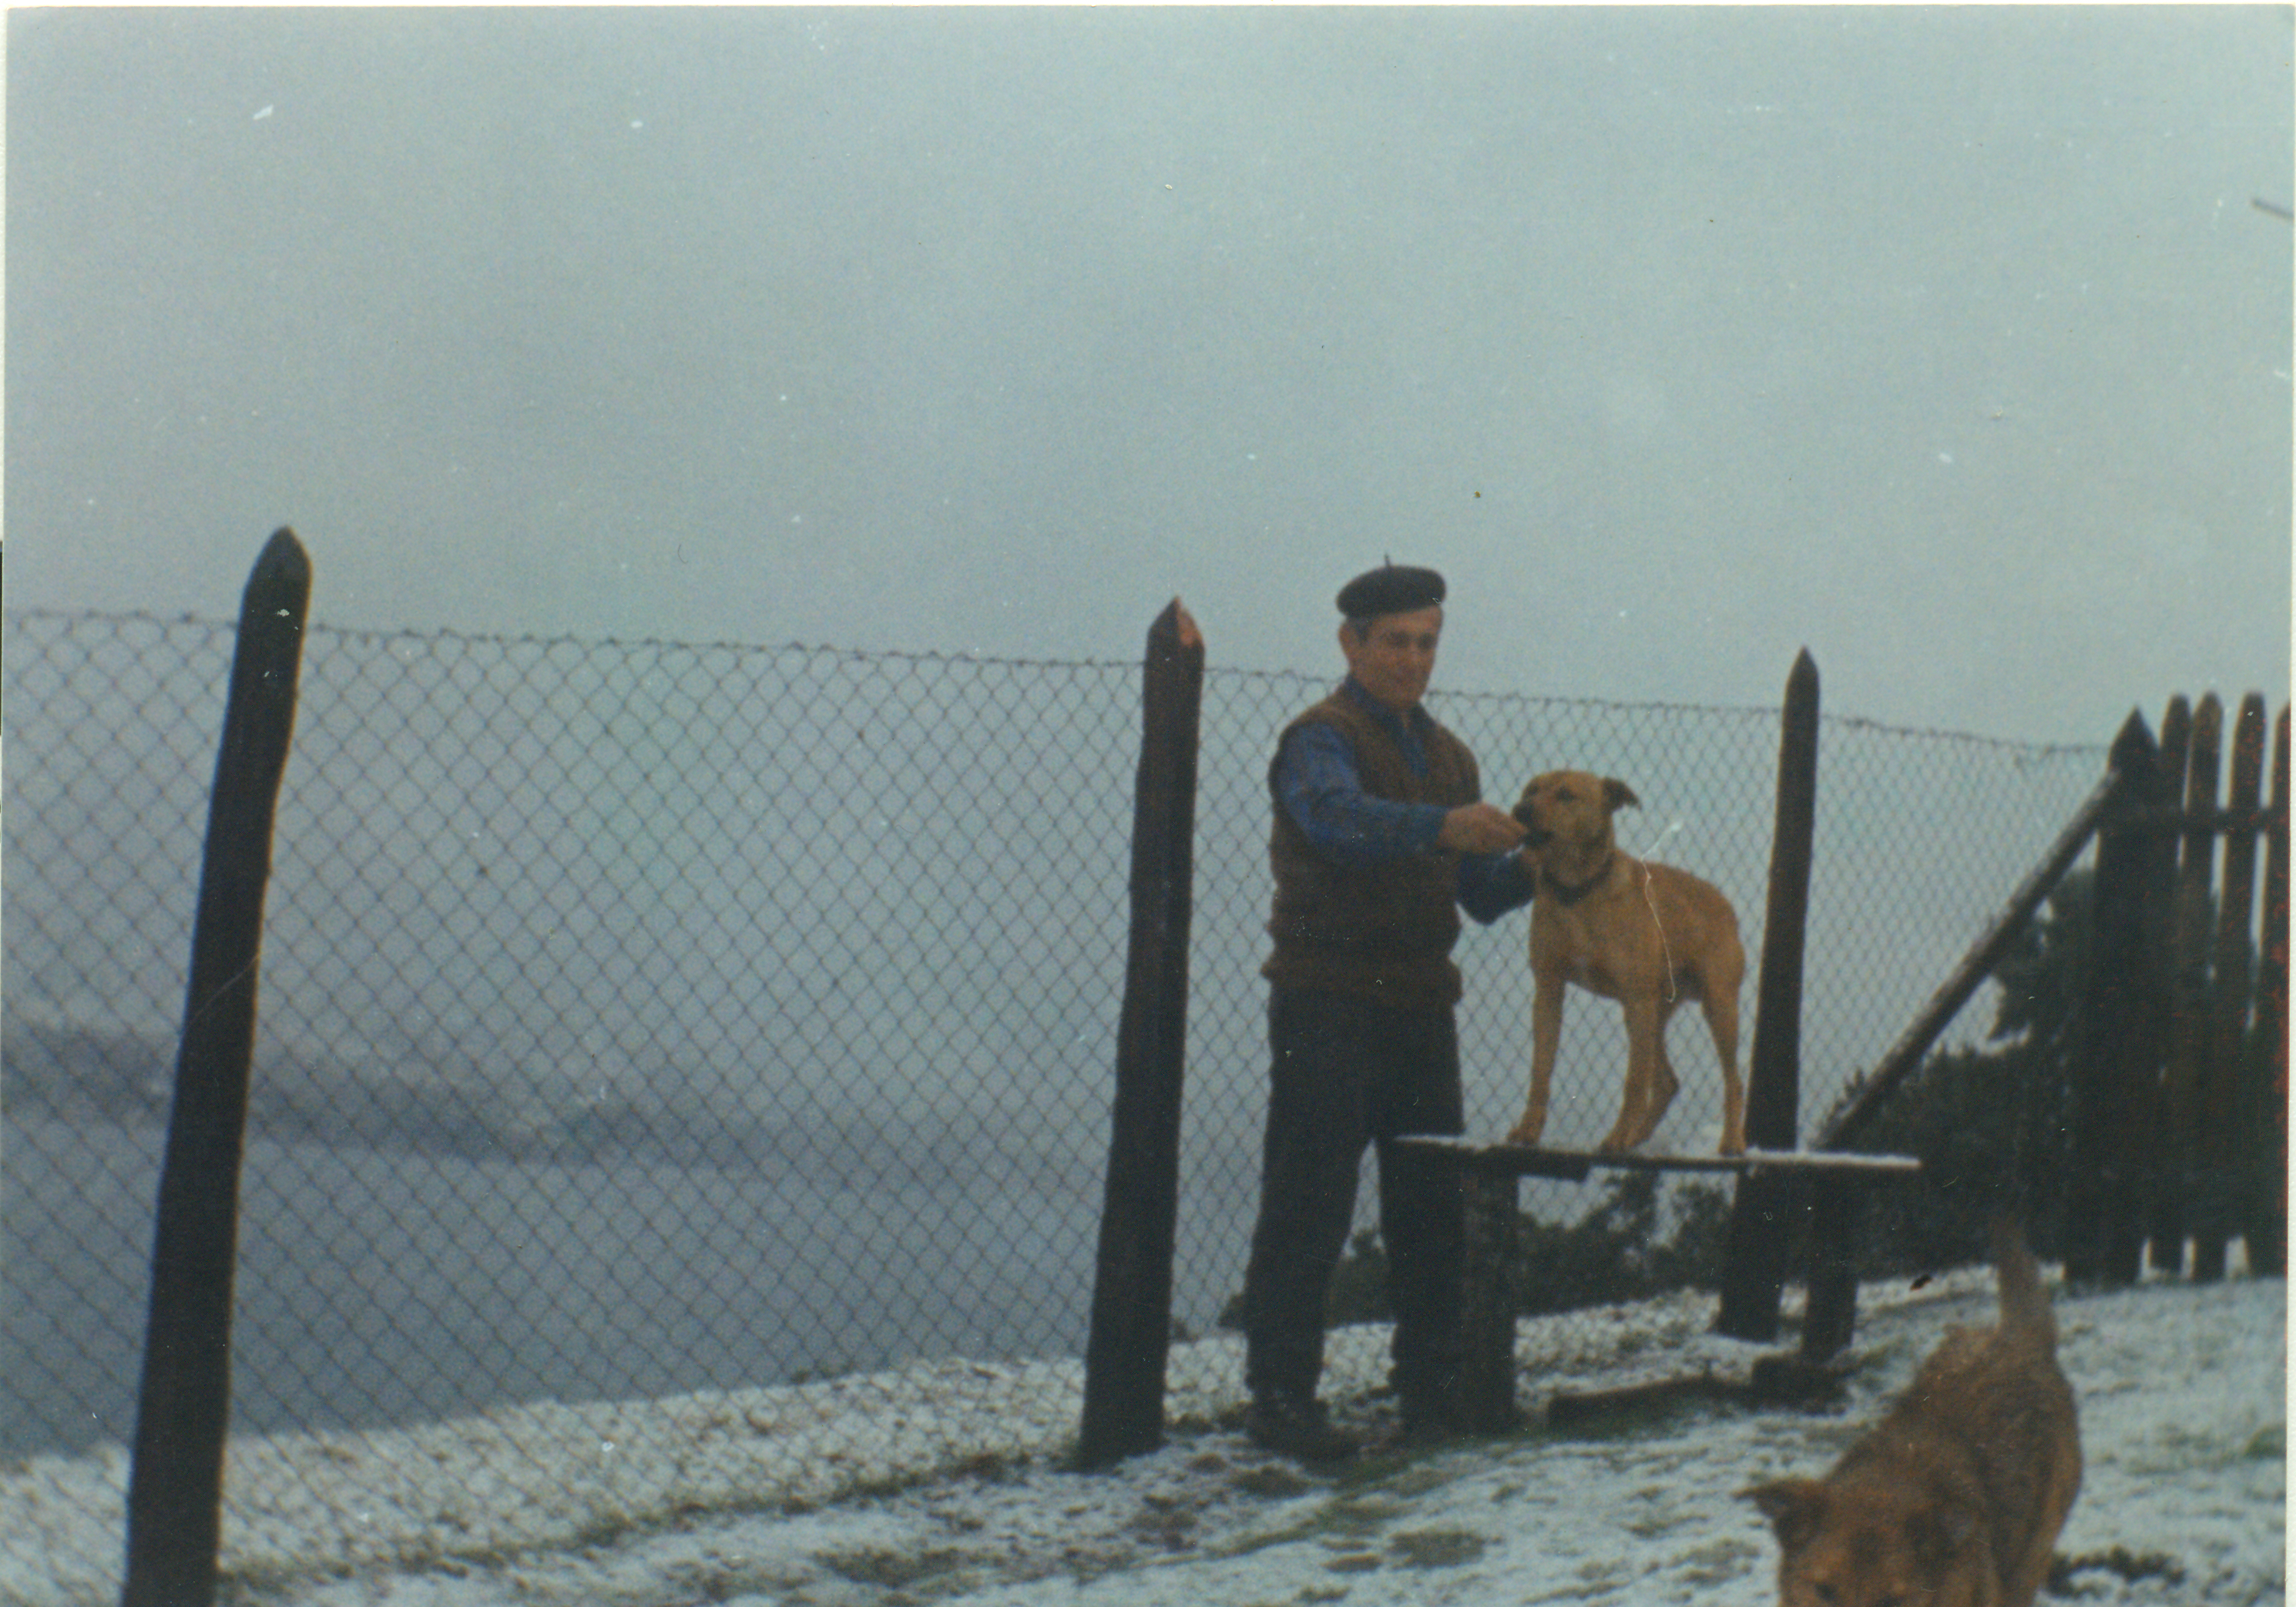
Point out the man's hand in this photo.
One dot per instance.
(1480, 828)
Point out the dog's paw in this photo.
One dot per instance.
(1525, 1133)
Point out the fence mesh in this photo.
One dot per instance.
(647, 1020)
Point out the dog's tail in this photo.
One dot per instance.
(2024, 1303)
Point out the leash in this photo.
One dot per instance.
(1570, 894)
(1664, 947)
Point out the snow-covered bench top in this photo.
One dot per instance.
(1522, 1160)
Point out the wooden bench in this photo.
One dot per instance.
(1489, 1176)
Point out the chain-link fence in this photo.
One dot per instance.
(644, 1020)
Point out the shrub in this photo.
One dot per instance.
(1613, 1253)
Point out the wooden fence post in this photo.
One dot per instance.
(1131, 1335)
(2113, 1053)
(2161, 1183)
(2267, 1221)
(175, 1494)
(2218, 1134)
(1761, 1212)
(2188, 995)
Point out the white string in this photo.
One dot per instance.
(1664, 947)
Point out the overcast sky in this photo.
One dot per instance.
(1950, 343)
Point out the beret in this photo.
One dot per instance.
(1392, 588)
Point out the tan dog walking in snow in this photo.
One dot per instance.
(1956, 1498)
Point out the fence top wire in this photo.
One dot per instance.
(2033, 751)
(619, 644)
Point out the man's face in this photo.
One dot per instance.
(1395, 657)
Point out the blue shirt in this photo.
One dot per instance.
(1317, 779)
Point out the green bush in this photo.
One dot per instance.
(1613, 1253)
(1993, 1125)
(1993, 1134)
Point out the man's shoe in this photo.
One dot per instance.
(1292, 1425)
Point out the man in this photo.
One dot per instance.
(1380, 838)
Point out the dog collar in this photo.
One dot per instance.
(1571, 895)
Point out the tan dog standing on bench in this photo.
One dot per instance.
(1647, 935)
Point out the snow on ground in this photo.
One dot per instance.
(766, 1495)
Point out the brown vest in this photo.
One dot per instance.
(1379, 931)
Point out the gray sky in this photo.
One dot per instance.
(1946, 342)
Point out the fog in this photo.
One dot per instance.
(1951, 343)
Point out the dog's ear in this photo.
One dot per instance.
(1795, 1508)
(1617, 795)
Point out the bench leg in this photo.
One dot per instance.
(1488, 1303)
(1829, 1318)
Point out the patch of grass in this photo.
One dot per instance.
(1419, 1478)
(893, 1569)
(1347, 1524)
(825, 1373)
(1274, 1481)
(989, 1467)
(1169, 1521)
(1721, 1561)
(605, 1530)
(1628, 1421)
(240, 1586)
(710, 1583)
(2130, 1566)
(1438, 1547)
(1360, 1514)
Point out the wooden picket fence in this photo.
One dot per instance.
(2179, 1141)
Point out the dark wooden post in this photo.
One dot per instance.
(174, 1492)
(2188, 995)
(1131, 1335)
(2268, 1231)
(2139, 1054)
(1490, 1297)
(2219, 1135)
(1837, 1210)
(1754, 1274)
(2161, 1183)
(2100, 1216)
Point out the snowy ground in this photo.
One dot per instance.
(761, 1497)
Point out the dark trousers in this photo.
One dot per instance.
(1345, 1072)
